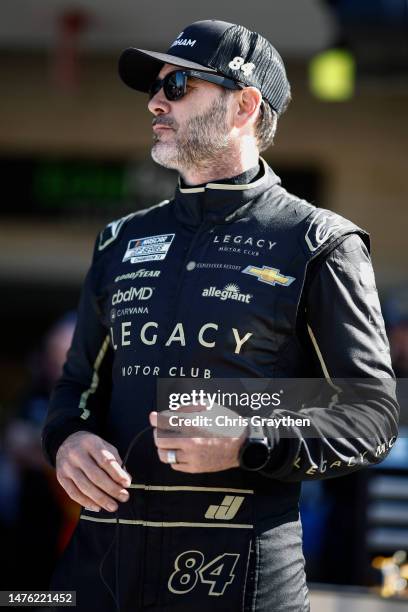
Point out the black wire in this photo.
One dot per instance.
(111, 593)
(115, 539)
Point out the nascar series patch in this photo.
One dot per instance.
(149, 248)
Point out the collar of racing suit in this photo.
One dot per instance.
(223, 201)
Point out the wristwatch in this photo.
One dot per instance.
(255, 451)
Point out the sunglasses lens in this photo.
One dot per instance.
(175, 85)
(155, 87)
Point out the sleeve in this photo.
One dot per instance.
(347, 340)
(81, 397)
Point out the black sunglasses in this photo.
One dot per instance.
(175, 83)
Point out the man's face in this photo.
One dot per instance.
(193, 130)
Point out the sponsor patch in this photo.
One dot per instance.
(202, 265)
(322, 227)
(141, 273)
(271, 276)
(242, 245)
(149, 248)
(134, 293)
(116, 313)
(230, 292)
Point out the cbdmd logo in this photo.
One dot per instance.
(139, 293)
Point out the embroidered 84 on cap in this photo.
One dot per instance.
(148, 248)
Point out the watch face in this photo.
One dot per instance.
(255, 455)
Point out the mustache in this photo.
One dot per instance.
(167, 121)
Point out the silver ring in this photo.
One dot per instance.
(171, 456)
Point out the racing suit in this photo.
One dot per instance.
(150, 308)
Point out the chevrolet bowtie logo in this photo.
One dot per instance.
(227, 510)
(272, 276)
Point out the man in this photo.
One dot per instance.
(232, 278)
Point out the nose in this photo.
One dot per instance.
(158, 104)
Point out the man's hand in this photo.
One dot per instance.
(198, 449)
(89, 469)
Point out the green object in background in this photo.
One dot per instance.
(332, 75)
(55, 183)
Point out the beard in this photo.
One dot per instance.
(199, 143)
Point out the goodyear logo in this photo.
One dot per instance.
(272, 276)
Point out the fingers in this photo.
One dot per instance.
(170, 442)
(88, 488)
(77, 495)
(87, 479)
(180, 455)
(107, 457)
(155, 417)
(167, 427)
(161, 421)
(102, 480)
(165, 444)
(194, 408)
(89, 469)
(167, 439)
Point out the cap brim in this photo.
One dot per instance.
(138, 68)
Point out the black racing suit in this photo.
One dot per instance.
(150, 309)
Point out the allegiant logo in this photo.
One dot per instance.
(230, 292)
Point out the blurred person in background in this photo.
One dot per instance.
(145, 313)
(396, 319)
(34, 508)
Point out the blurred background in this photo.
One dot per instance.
(75, 154)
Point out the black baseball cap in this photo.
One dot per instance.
(219, 47)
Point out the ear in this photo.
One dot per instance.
(249, 101)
